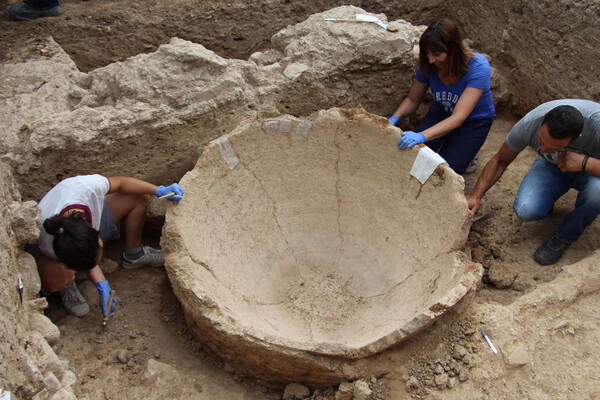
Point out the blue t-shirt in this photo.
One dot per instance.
(478, 76)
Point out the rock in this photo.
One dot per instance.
(519, 356)
(478, 254)
(523, 282)
(29, 276)
(295, 391)
(123, 356)
(68, 378)
(501, 275)
(293, 71)
(561, 324)
(160, 373)
(42, 324)
(39, 304)
(441, 380)
(345, 391)
(44, 356)
(451, 382)
(412, 383)
(64, 394)
(23, 219)
(108, 266)
(51, 382)
(362, 391)
(459, 352)
(463, 375)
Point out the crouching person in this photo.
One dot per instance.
(566, 136)
(79, 215)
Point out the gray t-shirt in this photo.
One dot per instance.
(525, 132)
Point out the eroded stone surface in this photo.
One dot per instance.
(315, 251)
(184, 95)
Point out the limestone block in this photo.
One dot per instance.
(64, 394)
(29, 276)
(42, 324)
(518, 356)
(24, 220)
(68, 378)
(51, 382)
(42, 354)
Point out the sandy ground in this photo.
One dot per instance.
(149, 322)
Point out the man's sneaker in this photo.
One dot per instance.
(472, 165)
(26, 12)
(151, 257)
(550, 251)
(73, 301)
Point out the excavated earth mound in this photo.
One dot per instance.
(302, 247)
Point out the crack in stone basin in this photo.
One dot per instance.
(316, 249)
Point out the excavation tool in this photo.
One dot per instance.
(20, 288)
(488, 340)
(484, 217)
(166, 195)
(105, 320)
(366, 18)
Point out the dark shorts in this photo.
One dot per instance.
(109, 230)
(457, 147)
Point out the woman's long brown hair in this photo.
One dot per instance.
(444, 36)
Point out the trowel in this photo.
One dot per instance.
(366, 18)
(484, 217)
(105, 320)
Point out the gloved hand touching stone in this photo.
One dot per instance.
(410, 138)
(172, 188)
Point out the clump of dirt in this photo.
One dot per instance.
(446, 365)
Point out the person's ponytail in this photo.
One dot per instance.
(75, 241)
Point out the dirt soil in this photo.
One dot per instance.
(149, 323)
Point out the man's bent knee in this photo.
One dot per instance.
(527, 213)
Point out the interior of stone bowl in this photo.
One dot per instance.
(320, 238)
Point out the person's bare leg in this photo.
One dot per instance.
(54, 275)
(131, 210)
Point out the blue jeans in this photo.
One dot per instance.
(457, 147)
(544, 184)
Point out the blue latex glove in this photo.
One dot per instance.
(104, 291)
(410, 138)
(393, 119)
(172, 188)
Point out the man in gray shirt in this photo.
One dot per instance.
(566, 136)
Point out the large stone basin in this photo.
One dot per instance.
(302, 248)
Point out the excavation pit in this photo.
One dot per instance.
(303, 247)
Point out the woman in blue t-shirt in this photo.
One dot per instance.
(462, 112)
